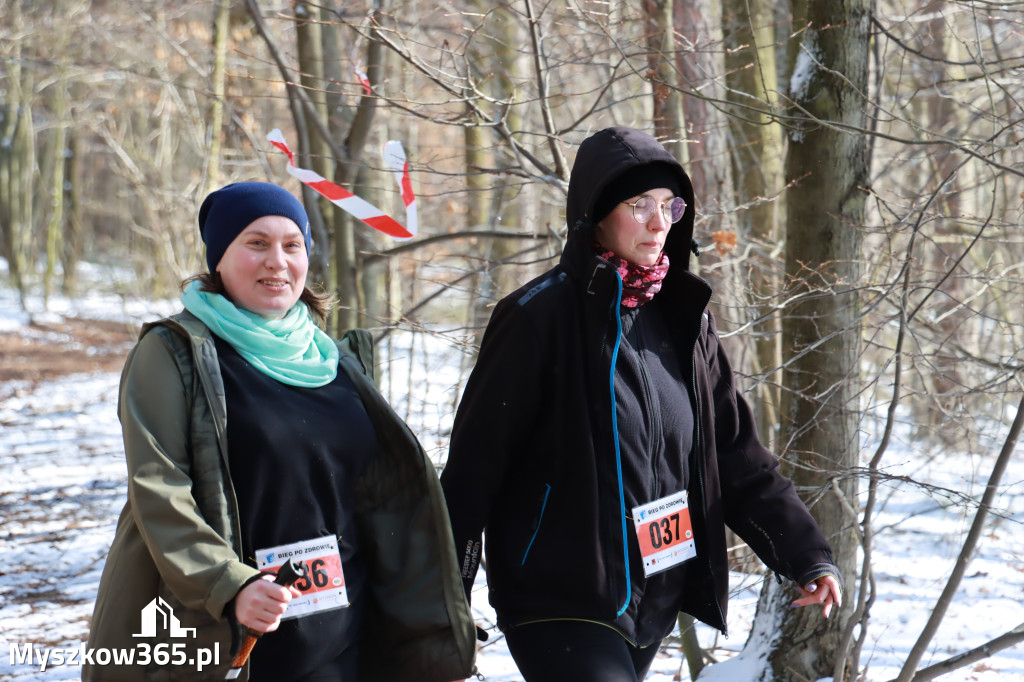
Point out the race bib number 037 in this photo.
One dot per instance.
(664, 533)
(323, 587)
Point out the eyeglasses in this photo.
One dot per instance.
(644, 207)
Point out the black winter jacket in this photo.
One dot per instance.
(534, 458)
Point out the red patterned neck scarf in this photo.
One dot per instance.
(639, 282)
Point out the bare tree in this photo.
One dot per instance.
(827, 165)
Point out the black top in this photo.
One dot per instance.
(655, 417)
(295, 456)
(655, 420)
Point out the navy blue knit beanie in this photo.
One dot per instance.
(229, 210)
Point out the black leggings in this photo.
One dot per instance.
(566, 650)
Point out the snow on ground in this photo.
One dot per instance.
(62, 487)
(99, 304)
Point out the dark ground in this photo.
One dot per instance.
(50, 350)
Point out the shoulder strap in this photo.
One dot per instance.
(184, 323)
(198, 349)
(358, 344)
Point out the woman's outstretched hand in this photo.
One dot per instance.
(825, 591)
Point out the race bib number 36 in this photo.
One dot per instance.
(323, 587)
(664, 533)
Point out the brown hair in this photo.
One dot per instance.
(319, 302)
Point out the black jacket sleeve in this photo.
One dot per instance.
(492, 423)
(760, 504)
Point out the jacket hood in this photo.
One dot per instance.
(603, 157)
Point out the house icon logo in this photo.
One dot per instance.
(160, 611)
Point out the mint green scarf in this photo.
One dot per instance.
(292, 350)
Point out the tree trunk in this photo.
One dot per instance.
(338, 119)
(937, 111)
(16, 189)
(507, 204)
(756, 149)
(820, 329)
(221, 24)
(667, 100)
(16, 163)
(371, 285)
(319, 68)
(74, 238)
(379, 308)
(478, 204)
(698, 26)
(55, 226)
(309, 43)
(346, 265)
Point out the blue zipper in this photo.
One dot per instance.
(618, 452)
(540, 519)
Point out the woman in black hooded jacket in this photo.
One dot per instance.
(602, 444)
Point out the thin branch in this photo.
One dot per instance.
(548, 175)
(292, 83)
(448, 285)
(939, 60)
(405, 247)
(1003, 641)
(561, 167)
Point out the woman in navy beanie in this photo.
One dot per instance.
(252, 437)
(225, 213)
(229, 210)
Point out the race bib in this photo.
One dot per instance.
(664, 533)
(323, 588)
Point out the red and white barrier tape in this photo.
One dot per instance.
(394, 156)
(357, 69)
(361, 76)
(347, 201)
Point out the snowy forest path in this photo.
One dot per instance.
(62, 476)
(47, 350)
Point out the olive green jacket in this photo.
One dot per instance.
(178, 538)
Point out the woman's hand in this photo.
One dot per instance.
(825, 590)
(260, 604)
